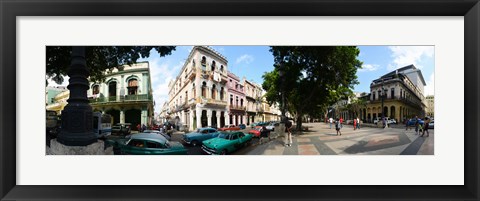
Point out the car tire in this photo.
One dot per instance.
(195, 143)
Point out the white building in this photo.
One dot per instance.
(198, 95)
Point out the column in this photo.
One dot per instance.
(209, 117)
(218, 113)
(198, 112)
(144, 119)
(122, 116)
(191, 120)
(244, 119)
(227, 118)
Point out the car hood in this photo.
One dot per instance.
(192, 134)
(176, 145)
(215, 141)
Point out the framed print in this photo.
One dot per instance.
(24, 37)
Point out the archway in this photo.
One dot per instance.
(134, 117)
(392, 112)
(115, 115)
(222, 119)
(203, 119)
(214, 119)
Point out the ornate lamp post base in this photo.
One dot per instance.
(77, 128)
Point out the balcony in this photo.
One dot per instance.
(237, 107)
(209, 101)
(192, 73)
(126, 98)
(401, 99)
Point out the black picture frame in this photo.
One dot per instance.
(10, 9)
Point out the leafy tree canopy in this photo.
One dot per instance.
(314, 77)
(98, 58)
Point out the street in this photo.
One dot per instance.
(321, 140)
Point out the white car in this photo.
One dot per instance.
(271, 127)
(391, 121)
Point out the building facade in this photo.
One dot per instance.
(126, 95)
(253, 96)
(237, 100)
(59, 102)
(198, 95)
(430, 105)
(401, 92)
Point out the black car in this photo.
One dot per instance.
(122, 129)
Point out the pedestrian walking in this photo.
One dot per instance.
(354, 124)
(264, 134)
(358, 123)
(341, 122)
(406, 124)
(425, 126)
(331, 121)
(138, 128)
(338, 126)
(417, 125)
(288, 130)
(144, 127)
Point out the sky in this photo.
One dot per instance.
(252, 62)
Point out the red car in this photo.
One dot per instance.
(256, 131)
(229, 128)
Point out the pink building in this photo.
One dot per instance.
(236, 102)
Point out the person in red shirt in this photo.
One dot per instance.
(341, 122)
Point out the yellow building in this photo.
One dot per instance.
(401, 92)
(59, 102)
(430, 105)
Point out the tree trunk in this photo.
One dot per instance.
(299, 122)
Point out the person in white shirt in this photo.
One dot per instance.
(331, 121)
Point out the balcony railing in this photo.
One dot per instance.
(402, 99)
(204, 100)
(237, 107)
(126, 98)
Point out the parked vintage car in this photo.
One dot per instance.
(271, 126)
(157, 132)
(122, 129)
(242, 126)
(255, 131)
(201, 134)
(146, 144)
(226, 142)
(229, 128)
(431, 125)
(411, 122)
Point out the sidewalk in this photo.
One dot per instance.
(321, 140)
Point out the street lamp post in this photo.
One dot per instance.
(77, 128)
(281, 73)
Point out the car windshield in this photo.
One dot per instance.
(224, 136)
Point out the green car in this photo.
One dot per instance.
(226, 142)
(147, 144)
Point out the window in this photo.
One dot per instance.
(204, 61)
(214, 92)
(132, 86)
(136, 143)
(153, 145)
(96, 89)
(392, 94)
(205, 131)
(221, 94)
(221, 68)
(112, 89)
(213, 66)
(204, 89)
(234, 137)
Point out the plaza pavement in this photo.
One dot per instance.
(321, 140)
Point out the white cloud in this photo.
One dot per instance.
(52, 83)
(161, 74)
(430, 88)
(245, 58)
(369, 67)
(406, 55)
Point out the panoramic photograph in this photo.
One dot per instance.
(240, 100)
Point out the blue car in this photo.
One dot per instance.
(201, 134)
(242, 126)
(411, 122)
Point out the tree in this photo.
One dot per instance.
(357, 105)
(98, 58)
(315, 77)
